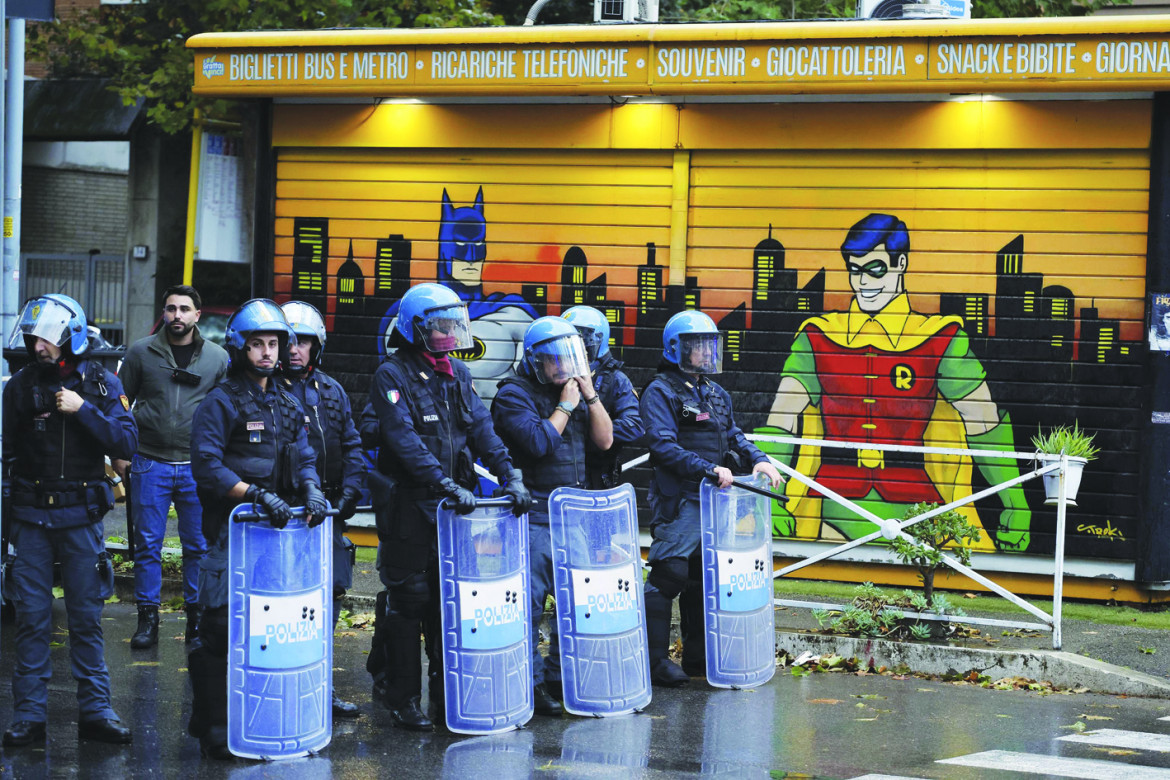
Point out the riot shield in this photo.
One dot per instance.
(487, 648)
(601, 617)
(280, 643)
(740, 622)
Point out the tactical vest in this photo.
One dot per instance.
(564, 466)
(261, 447)
(322, 398)
(54, 446)
(603, 469)
(702, 425)
(441, 413)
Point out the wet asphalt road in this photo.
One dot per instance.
(821, 725)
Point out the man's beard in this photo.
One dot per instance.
(183, 331)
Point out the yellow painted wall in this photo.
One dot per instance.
(1064, 182)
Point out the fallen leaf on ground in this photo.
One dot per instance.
(824, 701)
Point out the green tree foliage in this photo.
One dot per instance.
(141, 46)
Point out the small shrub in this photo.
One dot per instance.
(929, 537)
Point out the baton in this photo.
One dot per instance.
(252, 517)
(507, 501)
(750, 488)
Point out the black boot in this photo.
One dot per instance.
(209, 704)
(543, 703)
(663, 671)
(408, 715)
(194, 615)
(147, 633)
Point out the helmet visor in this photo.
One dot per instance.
(700, 353)
(558, 360)
(592, 339)
(446, 329)
(42, 318)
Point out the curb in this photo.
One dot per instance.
(1064, 670)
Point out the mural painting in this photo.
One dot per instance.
(895, 365)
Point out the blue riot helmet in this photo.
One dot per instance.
(433, 317)
(259, 315)
(554, 352)
(691, 341)
(594, 330)
(305, 321)
(58, 319)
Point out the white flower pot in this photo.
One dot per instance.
(1073, 483)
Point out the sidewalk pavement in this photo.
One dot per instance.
(1099, 657)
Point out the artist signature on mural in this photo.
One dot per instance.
(1108, 532)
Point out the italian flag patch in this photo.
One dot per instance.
(393, 396)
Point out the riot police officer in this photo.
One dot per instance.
(430, 423)
(248, 444)
(691, 432)
(617, 396)
(332, 434)
(62, 415)
(545, 415)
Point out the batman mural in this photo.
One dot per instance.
(498, 320)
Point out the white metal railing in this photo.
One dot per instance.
(891, 529)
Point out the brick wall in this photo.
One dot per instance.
(70, 210)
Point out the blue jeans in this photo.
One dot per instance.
(31, 591)
(154, 486)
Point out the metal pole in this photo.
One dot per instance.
(192, 198)
(13, 165)
(1058, 576)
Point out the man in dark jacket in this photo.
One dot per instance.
(432, 425)
(166, 376)
(546, 415)
(248, 444)
(691, 433)
(62, 415)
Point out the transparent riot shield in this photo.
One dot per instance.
(280, 636)
(601, 617)
(736, 533)
(487, 650)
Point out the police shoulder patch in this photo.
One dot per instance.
(393, 395)
(125, 402)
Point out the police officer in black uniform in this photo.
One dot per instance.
(248, 444)
(329, 423)
(546, 415)
(617, 396)
(62, 415)
(430, 422)
(691, 432)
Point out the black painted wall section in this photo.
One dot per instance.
(1153, 561)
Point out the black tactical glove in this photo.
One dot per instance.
(347, 503)
(315, 504)
(279, 512)
(514, 489)
(461, 497)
